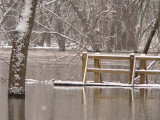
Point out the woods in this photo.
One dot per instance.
(79, 59)
(95, 25)
(152, 33)
(91, 25)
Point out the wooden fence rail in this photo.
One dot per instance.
(132, 58)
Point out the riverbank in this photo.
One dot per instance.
(54, 55)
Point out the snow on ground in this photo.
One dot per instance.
(32, 81)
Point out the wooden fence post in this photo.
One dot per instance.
(84, 67)
(84, 57)
(132, 68)
(100, 74)
(97, 75)
(143, 77)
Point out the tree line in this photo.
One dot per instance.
(93, 25)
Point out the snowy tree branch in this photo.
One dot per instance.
(65, 22)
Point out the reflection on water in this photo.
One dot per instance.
(3, 101)
(16, 108)
(47, 102)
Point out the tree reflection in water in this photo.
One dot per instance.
(16, 107)
(47, 102)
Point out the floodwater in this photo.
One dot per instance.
(47, 102)
(44, 101)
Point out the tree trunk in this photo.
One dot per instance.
(152, 33)
(59, 27)
(18, 61)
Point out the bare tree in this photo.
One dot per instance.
(59, 26)
(152, 33)
(96, 25)
(8, 14)
(18, 61)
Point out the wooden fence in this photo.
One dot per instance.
(132, 58)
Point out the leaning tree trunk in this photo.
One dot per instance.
(18, 61)
(149, 40)
(152, 33)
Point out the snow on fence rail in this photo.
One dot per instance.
(142, 71)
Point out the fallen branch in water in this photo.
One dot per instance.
(77, 54)
(4, 60)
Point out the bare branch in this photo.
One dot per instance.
(65, 21)
(9, 9)
(61, 35)
(53, 1)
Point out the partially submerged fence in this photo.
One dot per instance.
(132, 58)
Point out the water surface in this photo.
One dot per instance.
(48, 102)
